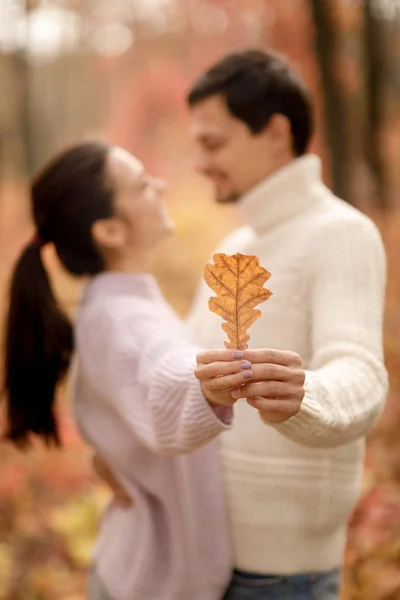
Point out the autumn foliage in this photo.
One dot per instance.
(50, 502)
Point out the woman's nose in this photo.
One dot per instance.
(159, 184)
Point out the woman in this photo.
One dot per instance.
(136, 399)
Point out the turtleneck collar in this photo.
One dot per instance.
(281, 196)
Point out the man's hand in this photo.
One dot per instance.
(220, 372)
(103, 471)
(276, 388)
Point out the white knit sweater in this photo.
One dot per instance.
(290, 488)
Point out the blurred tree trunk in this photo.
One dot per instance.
(334, 102)
(26, 117)
(15, 144)
(15, 121)
(23, 71)
(374, 85)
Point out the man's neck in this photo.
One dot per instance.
(282, 195)
(270, 173)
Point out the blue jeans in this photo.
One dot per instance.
(96, 589)
(318, 586)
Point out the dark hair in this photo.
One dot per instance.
(67, 197)
(256, 85)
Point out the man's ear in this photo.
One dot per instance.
(109, 234)
(279, 130)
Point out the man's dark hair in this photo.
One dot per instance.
(257, 85)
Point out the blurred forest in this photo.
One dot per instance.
(73, 69)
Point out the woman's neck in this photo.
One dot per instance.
(134, 263)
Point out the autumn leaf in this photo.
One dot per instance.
(238, 281)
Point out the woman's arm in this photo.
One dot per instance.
(153, 388)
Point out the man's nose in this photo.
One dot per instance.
(202, 165)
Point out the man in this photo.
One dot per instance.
(290, 483)
(291, 486)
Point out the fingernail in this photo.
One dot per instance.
(237, 354)
(247, 375)
(245, 365)
(236, 393)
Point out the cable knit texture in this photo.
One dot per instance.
(138, 403)
(291, 487)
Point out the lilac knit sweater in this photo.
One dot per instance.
(138, 403)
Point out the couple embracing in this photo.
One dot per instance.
(242, 466)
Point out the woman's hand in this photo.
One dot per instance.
(104, 473)
(220, 372)
(276, 388)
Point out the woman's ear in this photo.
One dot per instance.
(109, 234)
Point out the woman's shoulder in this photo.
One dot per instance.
(124, 318)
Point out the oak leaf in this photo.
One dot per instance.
(238, 281)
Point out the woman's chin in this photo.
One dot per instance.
(169, 227)
(165, 231)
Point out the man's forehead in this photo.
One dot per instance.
(210, 115)
(207, 122)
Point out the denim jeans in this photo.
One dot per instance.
(96, 589)
(316, 586)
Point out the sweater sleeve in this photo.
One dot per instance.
(346, 383)
(155, 390)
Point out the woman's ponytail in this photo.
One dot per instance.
(38, 348)
(70, 194)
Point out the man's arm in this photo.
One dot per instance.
(346, 383)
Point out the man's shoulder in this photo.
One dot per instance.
(236, 240)
(338, 231)
(337, 218)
